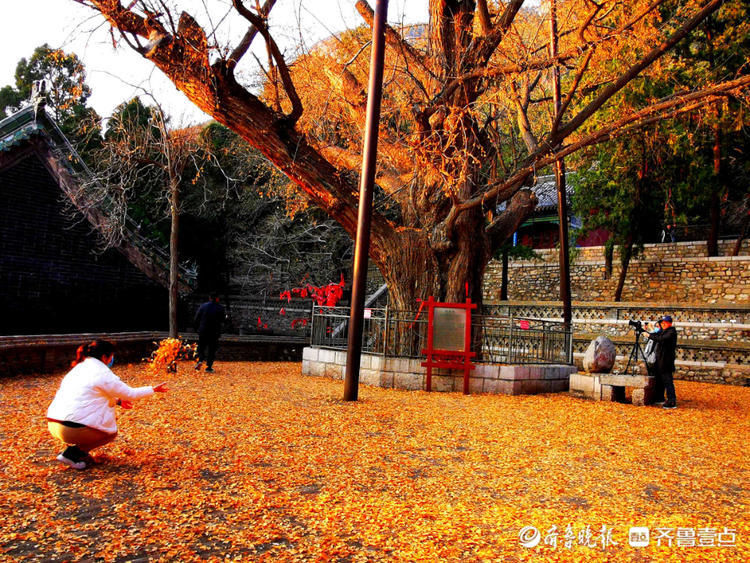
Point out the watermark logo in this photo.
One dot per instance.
(529, 536)
(570, 537)
(567, 537)
(639, 536)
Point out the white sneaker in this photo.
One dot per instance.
(71, 463)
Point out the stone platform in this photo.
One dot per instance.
(611, 387)
(407, 373)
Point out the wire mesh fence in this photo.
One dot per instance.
(403, 334)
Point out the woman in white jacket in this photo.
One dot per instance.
(82, 414)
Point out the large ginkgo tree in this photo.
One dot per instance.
(467, 120)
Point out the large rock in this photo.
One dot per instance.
(600, 356)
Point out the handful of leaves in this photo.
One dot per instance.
(167, 353)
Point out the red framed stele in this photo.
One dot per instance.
(449, 339)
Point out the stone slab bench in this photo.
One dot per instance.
(611, 387)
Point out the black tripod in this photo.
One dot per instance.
(636, 354)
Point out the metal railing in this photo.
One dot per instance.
(403, 334)
(535, 341)
(253, 316)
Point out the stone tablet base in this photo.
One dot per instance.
(607, 387)
(405, 373)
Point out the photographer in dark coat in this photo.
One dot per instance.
(666, 350)
(208, 321)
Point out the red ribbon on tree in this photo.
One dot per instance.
(324, 296)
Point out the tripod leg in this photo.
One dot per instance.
(633, 358)
(636, 353)
(640, 354)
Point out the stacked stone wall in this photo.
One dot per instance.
(663, 273)
(53, 353)
(44, 354)
(713, 341)
(411, 375)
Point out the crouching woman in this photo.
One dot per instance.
(82, 414)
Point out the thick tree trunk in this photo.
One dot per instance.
(609, 252)
(415, 270)
(627, 253)
(174, 234)
(410, 269)
(741, 237)
(712, 241)
(626, 250)
(504, 283)
(463, 267)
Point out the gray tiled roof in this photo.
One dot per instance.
(546, 192)
(34, 121)
(19, 127)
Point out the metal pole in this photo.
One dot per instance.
(562, 201)
(387, 330)
(312, 326)
(504, 281)
(362, 245)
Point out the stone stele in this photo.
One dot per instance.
(600, 356)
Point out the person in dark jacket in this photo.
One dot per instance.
(666, 349)
(208, 321)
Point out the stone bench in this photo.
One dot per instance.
(611, 387)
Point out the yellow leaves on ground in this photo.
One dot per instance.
(256, 462)
(168, 352)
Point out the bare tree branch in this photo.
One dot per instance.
(214, 90)
(544, 62)
(484, 17)
(487, 46)
(521, 100)
(244, 44)
(571, 92)
(633, 71)
(286, 79)
(394, 39)
(520, 206)
(585, 24)
(667, 108)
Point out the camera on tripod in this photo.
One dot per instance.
(637, 326)
(636, 354)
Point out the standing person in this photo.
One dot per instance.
(82, 414)
(666, 350)
(208, 321)
(650, 354)
(668, 235)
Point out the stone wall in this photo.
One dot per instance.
(52, 353)
(664, 273)
(243, 349)
(692, 363)
(713, 341)
(408, 373)
(43, 354)
(709, 324)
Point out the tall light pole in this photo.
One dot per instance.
(362, 245)
(562, 201)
